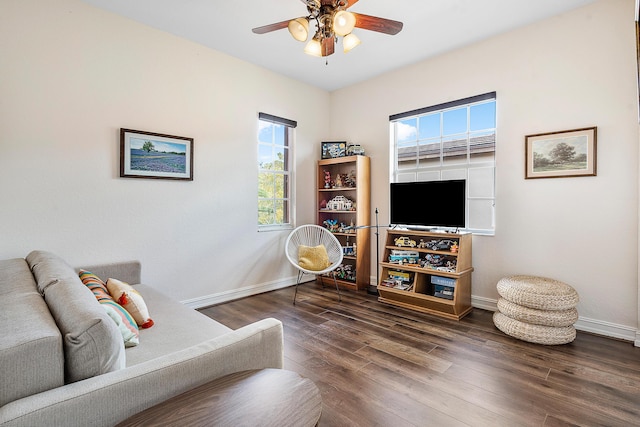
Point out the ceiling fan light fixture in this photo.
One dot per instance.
(299, 29)
(349, 42)
(313, 48)
(343, 22)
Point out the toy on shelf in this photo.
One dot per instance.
(327, 179)
(331, 225)
(405, 241)
(440, 244)
(344, 228)
(349, 180)
(342, 180)
(438, 262)
(340, 203)
(349, 250)
(355, 150)
(345, 272)
(404, 257)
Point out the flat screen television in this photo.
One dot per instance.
(428, 204)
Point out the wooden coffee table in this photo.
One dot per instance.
(266, 397)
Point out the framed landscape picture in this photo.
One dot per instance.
(154, 155)
(561, 154)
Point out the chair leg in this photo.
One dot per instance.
(337, 288)
(300, 273)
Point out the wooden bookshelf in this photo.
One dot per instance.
(421, 272)
(355, 271)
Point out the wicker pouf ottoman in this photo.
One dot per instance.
(537, 309)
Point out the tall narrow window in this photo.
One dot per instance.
(455, 140)
(275, 136)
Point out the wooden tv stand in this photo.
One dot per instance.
(436, 281)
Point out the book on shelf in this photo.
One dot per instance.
(403, 276)
(444, 281)
(442, 291)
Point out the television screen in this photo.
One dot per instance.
(428, 203)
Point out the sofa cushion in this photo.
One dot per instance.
(126, 324)
(186, 327)
(31, 344)
(92, 342)
(130, 299)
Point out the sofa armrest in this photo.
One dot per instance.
(127, 271)
(108, 399)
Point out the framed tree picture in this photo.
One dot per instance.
(155, 155)
(561, 154)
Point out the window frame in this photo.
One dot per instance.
(468, 165)
(288, 173)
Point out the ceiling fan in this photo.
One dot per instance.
(332, 21)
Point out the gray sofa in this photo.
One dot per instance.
(63, 361)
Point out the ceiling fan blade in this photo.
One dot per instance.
(351, 3)
(271, 27)
(381, 25)
(328, 46)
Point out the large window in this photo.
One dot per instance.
(275, 136)
(455, 140)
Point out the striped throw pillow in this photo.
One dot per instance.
(126, 324)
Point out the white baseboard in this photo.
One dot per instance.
(612, 330)
(584, 324)
(247, 291)
(594, 326)
(484, 303)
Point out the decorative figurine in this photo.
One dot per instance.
(338, 181)
(327, 179)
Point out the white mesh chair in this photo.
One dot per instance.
(314, 235)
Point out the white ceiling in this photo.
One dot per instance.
(431, 27)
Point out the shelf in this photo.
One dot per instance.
(421, 296)
(418, 295)
(357, 170)
(328, 190)
(422, 250)
(437, 309)
(340, 160)
(328, 281)
(423, 270)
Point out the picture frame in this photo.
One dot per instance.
(155, 155)
(333, 149)
(563, 154)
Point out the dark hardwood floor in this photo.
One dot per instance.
(377, 365)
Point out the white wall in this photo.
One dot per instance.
(571, 71)
(71, 76)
